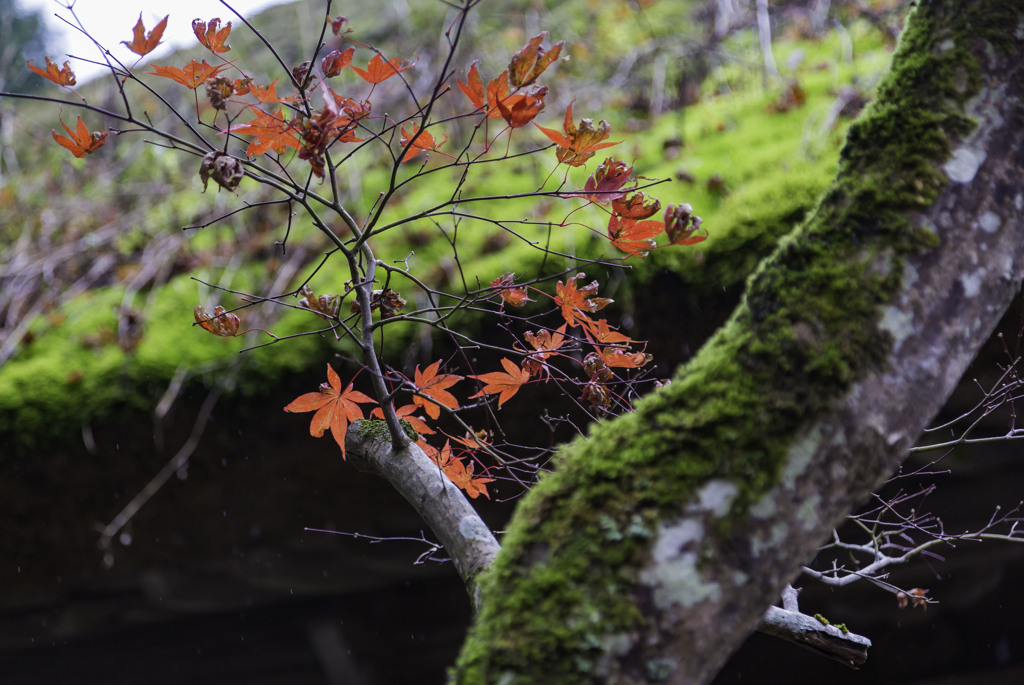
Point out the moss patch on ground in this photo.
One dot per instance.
(74, 371)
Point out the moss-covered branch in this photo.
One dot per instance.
(660, 539)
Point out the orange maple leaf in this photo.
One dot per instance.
(545, 343)
(429, 383)
(463, 477)
(211, 35)
(474, 441)
(143, 43)
(334, 408)
(578, 143)
(636, 205)
(507, 383)
(515, 297)
(81, 142)
(267, 93)
(378, 70)
(456, 471)
(220, 323)
(62, 77)
(193, 75)
(485, 98)
(635, 238)
(422, 141)
(336, 61)
(406, 413)
(271, 131)
(519, 109)
(531, 60)
(576, 302)
(603, 334)
(624, 359)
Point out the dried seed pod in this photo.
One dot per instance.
(222, 168)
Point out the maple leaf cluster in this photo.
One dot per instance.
(335, 408)
(514, 95)
(630, 227)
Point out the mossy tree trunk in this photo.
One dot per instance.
(661, 538)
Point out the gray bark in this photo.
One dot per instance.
(464, 535)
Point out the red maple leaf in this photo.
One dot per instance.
(81, 142)
(577, 302)
(143, 44)
(504, 384)
(531, 60)
(334, 408)
(429, 383)
(605, 184)
(635, 238)
(271, 131)
(422, 141)
(578, 143)
(378, 70)
(62, 77)
(211, 35)
(193, 75)
(485, 98)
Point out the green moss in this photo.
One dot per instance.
(822, 620)
(561, 589)
(377, 429)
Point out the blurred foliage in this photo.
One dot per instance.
(23, 36)
(97, 284)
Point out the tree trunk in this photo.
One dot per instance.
(660, 539)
